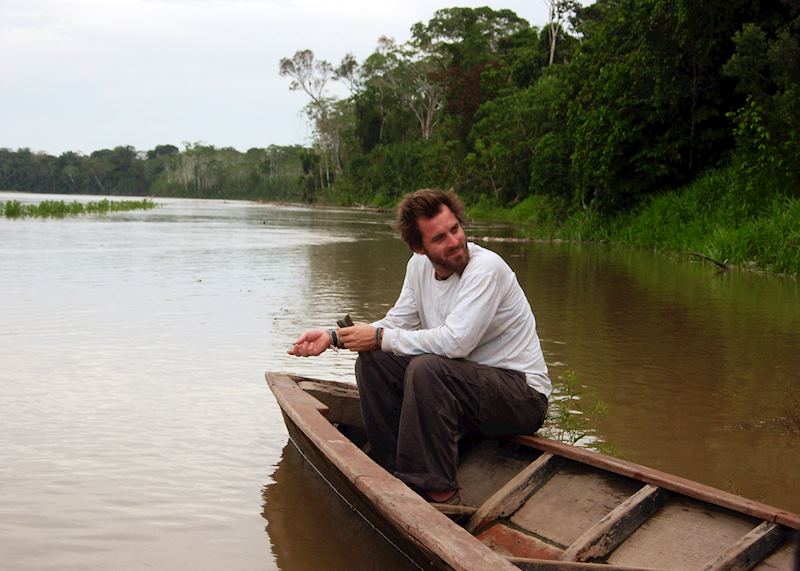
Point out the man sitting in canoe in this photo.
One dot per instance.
(457, 353)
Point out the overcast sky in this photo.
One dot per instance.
(83, 75)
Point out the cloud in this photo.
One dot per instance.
(89, 74)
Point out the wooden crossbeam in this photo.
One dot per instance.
(510, 497)
(663, 480)
(750, 549)
(603, 537)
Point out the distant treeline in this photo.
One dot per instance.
(274, 173)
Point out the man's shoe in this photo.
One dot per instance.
(454, 500)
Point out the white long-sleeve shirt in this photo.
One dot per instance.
(481, 315)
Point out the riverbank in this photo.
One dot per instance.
(717, 218)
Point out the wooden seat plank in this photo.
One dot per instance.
(511, 496)
(683, 534)
(572, 501)
(750, 549)
(459, 514)
(602, 538)
(787, 556)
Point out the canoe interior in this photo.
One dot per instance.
(532, 500)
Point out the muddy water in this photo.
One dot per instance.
(137, 430)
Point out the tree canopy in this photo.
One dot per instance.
(603, 107)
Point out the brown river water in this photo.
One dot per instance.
(138, 431)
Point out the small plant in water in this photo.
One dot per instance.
(11, 209)
(59, 208)
(569, 418)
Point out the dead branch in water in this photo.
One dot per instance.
(721, 265)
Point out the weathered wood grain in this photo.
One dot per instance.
(572, 501)
(683, 534)
(750, 549)
(602, 538)
(508, 498)
(508, 541)
(664, 480)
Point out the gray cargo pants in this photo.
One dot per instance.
(415, 408)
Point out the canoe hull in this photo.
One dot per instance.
(535, 503)
(426, 537)
(329, 472)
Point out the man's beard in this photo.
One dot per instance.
(454, 265)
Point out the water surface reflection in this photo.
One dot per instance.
(300, 508)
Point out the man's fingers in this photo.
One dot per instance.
(299, 349)
(357, 338)
(310, 343)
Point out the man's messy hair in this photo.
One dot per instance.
(424, 203)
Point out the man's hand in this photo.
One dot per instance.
(359, 337)
(311, 343)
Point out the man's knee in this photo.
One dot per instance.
(380, 371)
(425, 365)
(426, 375)
(374, 363)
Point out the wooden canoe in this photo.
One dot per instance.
(534, 503)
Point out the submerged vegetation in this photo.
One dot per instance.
(59, 208)
(668, 125)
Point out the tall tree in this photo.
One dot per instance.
(311, 76)
(308, 74)
(558, 12)
(410, 73)
(348, 72)
(469, 36)
(467, 41)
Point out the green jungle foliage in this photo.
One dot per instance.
(641, 97)
(672, 124)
